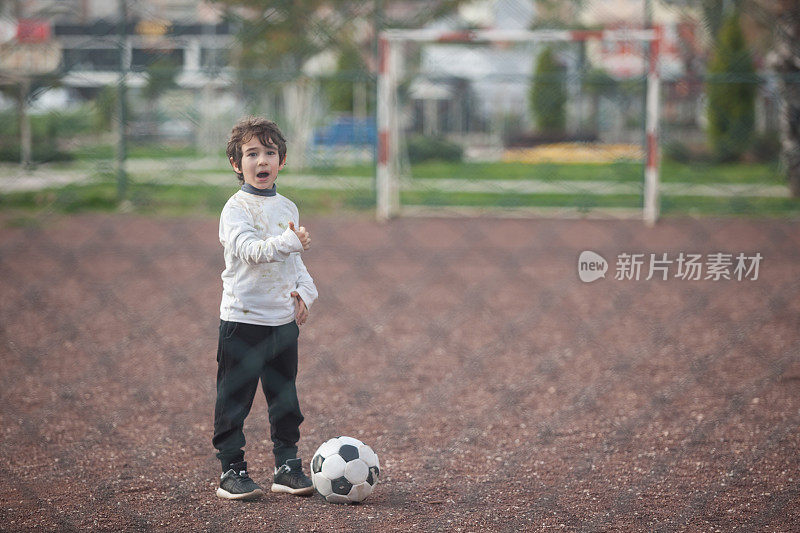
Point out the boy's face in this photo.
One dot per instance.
(260, 164)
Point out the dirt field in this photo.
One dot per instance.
(500, 392)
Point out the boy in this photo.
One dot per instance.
(266, 294)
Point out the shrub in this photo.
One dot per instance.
(766, 147)
(731, 93)
(422, 148)
(548, 96)
(678, 152)
(42, 153)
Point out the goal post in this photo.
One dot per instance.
(391, 131)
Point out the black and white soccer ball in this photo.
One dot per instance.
(345, 470)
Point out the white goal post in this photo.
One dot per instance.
(390, 43)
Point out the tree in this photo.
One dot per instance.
(781, 20)
(278, 37)
(548, 96)
(731, 92)
(787, 63)
(777, 23)
(598, 83)
(351, 70)
(105, 108)
(161, 75)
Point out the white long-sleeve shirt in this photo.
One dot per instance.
(262, 260)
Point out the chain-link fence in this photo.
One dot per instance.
(547, 127)
(498, 389)
(512, 374)
(555, 122)
(453, 152)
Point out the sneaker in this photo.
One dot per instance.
(235, 484)
(290, 478)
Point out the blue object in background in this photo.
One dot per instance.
(347, 131)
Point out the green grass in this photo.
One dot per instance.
(208, 200)
(146, 195)
(613, 172)
(583, 202)
(737, 206)
(171, 199)
(349, 170)
(622, 171)
(745, 173)
(135, 151)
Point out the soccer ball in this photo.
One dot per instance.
(344, 470)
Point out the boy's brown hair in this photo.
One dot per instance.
(265, 130)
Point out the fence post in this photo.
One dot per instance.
(383, 175)
(122, 179)
(26, 136)
(651, 170)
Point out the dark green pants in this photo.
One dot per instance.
(245, 354)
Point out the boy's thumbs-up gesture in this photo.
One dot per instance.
(302, 234)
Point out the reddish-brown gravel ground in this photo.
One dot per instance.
(500, 392)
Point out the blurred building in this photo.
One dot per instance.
(499, 77)
(462, 88)
(188, 35)
(84, 11)
(682, 36)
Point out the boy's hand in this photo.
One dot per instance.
(302, 234)
(300, 309)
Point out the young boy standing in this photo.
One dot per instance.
(266, 294)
